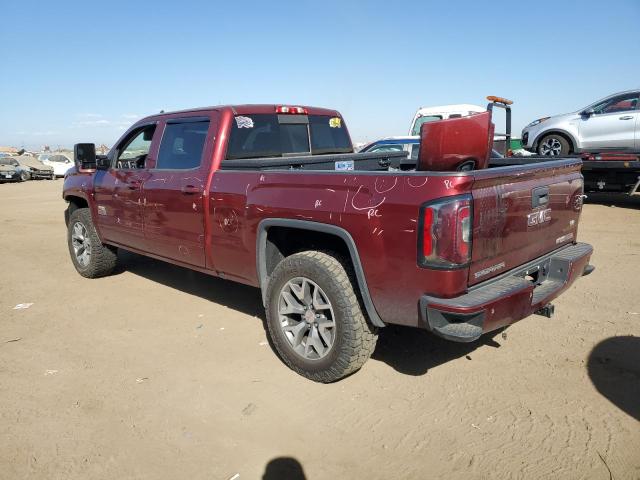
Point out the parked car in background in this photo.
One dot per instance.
(431, 114)
(23, 168)
(409, 144)
(59, 162)
(610, 124)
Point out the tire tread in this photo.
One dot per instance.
(359, 336)
(104, 258)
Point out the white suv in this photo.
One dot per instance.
(610, 124)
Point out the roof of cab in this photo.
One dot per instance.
(461, 107)
(243, 110)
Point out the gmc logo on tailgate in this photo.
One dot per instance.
(536, 218)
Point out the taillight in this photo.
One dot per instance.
(444, 240)
(291, 110)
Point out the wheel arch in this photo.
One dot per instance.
(268, 253)
(75, 202)
(573, 144)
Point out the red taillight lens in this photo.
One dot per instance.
(291, 110)
(427, 235)
(445, 240)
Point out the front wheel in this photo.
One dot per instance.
(554, 146)
(314, 318)
(24, 176)
(90, 256)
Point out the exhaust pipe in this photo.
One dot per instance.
(547, 311)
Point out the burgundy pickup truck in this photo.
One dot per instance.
(340, 243)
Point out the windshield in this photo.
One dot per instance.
(420, 120)
(8, 161)
(272, 135)
(385, 147)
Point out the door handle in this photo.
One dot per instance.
(190, 190)
(539, 197)
(626, 117)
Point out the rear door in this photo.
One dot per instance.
(521, 213)
(174, 192)
(612, 125)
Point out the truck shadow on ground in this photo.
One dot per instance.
(614, 369)
(407, 350)
(620, 200)
(414, 352)
(233, 295)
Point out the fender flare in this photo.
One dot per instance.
(571, 137)
(68, 197)
(341, 233)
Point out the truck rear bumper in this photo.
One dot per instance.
(507, 298)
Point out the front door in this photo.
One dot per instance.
(174, 192)
(612, 125)
(118, 190)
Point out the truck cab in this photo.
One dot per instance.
(443, 112)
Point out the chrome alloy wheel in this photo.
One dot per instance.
(81, 244)
(551, 147)
(306, 318)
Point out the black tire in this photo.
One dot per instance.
(102, 259)
(354, 338)
(24, 176)
(554, 145)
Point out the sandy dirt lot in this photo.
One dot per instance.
(161, 373)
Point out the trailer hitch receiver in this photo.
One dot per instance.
(547, 311)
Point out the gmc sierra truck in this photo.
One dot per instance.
(340, 243)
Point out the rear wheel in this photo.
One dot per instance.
(314, 318)
(90, 256)
(554, 145)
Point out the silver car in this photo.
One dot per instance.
(610, 124)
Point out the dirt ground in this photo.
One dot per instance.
(161, 373)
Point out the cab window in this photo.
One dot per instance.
(421, 120)
(272, 135)
(132, 152)
(182, 144)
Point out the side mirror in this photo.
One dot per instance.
(588, 112)
(148, 134)
(85, 156)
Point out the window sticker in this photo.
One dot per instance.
(344, 165)
(335, 122)
(244, 122)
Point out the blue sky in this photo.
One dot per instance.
(84, 71)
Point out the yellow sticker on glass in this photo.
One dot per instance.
(335, 122)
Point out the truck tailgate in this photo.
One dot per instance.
(521, 213)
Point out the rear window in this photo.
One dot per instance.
(272, 135)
